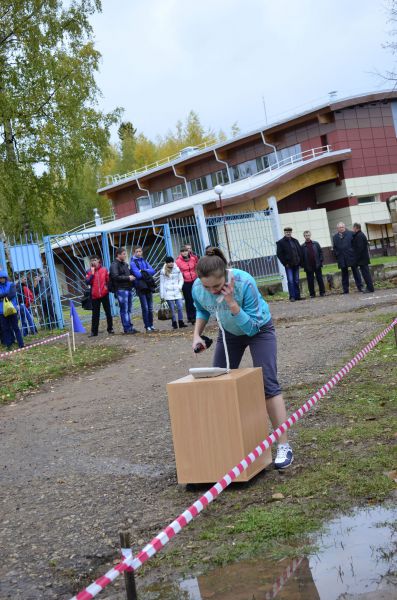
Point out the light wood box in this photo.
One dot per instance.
(216, 422)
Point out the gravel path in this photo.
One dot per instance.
(88, 453)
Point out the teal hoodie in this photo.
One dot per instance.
(254, 311)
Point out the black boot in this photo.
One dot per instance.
(174, 325)
(181, 324)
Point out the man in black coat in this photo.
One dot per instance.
(361, 253)
(344, 253)
(312, 262)
(289, 253)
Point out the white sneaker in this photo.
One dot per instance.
(284, 456)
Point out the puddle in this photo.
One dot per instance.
(356, 560)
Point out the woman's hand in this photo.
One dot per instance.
(198, 341)
(228, 293)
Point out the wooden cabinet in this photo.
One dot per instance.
(216, 422)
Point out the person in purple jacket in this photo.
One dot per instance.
(144, 285)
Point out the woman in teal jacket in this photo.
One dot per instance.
(233, 297)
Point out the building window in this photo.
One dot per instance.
(143, 203)
(199, 185)
(178, 192)
(220, 178)
(245, 169)
(159, 198)
(366, 199)
(169, 195)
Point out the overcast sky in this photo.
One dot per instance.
(162, 58)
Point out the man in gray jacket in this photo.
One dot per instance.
(344, 254)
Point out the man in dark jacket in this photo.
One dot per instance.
(344, 254)
(289, 253)
(144, 285)
(98, 280)
(122, 285)
(312, 262)
(361, 253)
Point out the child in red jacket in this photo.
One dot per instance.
(98, 279)
(187, 262)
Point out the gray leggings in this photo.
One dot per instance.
(263, 348)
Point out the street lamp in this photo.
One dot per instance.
(218, 189)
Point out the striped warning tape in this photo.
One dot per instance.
(282, 580)
(190, 513)
(41, 343)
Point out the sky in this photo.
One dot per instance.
(244, 61)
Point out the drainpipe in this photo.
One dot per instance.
(184, 179)
(223, 162)
(392, 208)
(270, 146)
(143, 189)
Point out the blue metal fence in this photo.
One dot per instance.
(26, 261)
(54, 269)
(247, 240)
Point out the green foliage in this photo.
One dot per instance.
(51, 131)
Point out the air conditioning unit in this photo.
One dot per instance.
(188, 151)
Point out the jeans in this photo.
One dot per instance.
(27, 321)
(310, 282)
(176, 304)
(9, 326)
(96, 310)
(293, 282)
(189, 304)
(345, 279)
(146, 300)
(124, 298)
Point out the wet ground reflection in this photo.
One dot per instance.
(356, 560)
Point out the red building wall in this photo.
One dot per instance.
(369, 131)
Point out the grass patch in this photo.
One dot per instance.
(343, 453)
(26, 371)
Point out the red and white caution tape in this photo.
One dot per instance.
(282, 580)
(189, 514)
(41, 343)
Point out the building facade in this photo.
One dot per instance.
(337, 162)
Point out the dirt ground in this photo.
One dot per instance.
(86, 454)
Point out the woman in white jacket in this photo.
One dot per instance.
(171, 282)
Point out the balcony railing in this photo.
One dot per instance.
(116, 178)
(295, 158)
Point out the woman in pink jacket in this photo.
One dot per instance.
(187, 262)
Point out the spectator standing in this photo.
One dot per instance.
(191, 253)
(289, 253)
(97, 278)
(171, 283)
(144, 285)
(361, 255)
(122, 284)
(344, 253)
(25, 298)
(42, 292)
(187, 265)
(312, 262)
(9, 325)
